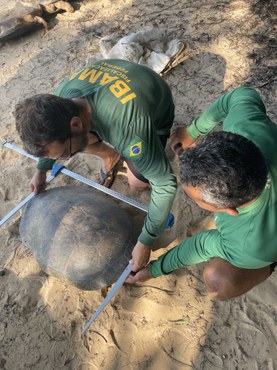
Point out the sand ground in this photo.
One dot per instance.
(169, 323)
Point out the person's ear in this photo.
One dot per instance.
(76, 125)
(232, 211)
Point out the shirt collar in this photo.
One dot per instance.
(259, 201)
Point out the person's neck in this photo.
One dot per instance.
(248, 203)
(85, 112)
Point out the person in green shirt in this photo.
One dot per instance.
(233, 173)
(111, 109)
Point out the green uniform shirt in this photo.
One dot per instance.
(248, 240)
(131, 106)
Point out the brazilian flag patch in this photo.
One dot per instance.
(135, 149)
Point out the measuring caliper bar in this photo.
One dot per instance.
(93, 184)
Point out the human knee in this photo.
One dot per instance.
(219, 285)
(139, 187)
(137, 184)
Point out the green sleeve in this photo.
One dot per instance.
(154, 166)
(201, 248)
(45, 164)
(163, 191)
(196, 249)
(235, 101)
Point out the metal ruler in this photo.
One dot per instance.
(24, 201)
(91, 183)
(83, 179)
(110, 295)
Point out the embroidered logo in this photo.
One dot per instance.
(136, 149)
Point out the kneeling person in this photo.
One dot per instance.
(124, 104)
(232, 173)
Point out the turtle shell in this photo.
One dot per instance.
(78, 234)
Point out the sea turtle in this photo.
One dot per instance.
(23, 16)
(79, 235)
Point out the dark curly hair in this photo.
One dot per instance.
(229, 169)
(42, 119)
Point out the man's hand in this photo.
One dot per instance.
(140, 256)
(180, 140)
(139, 277)
(37, 183)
